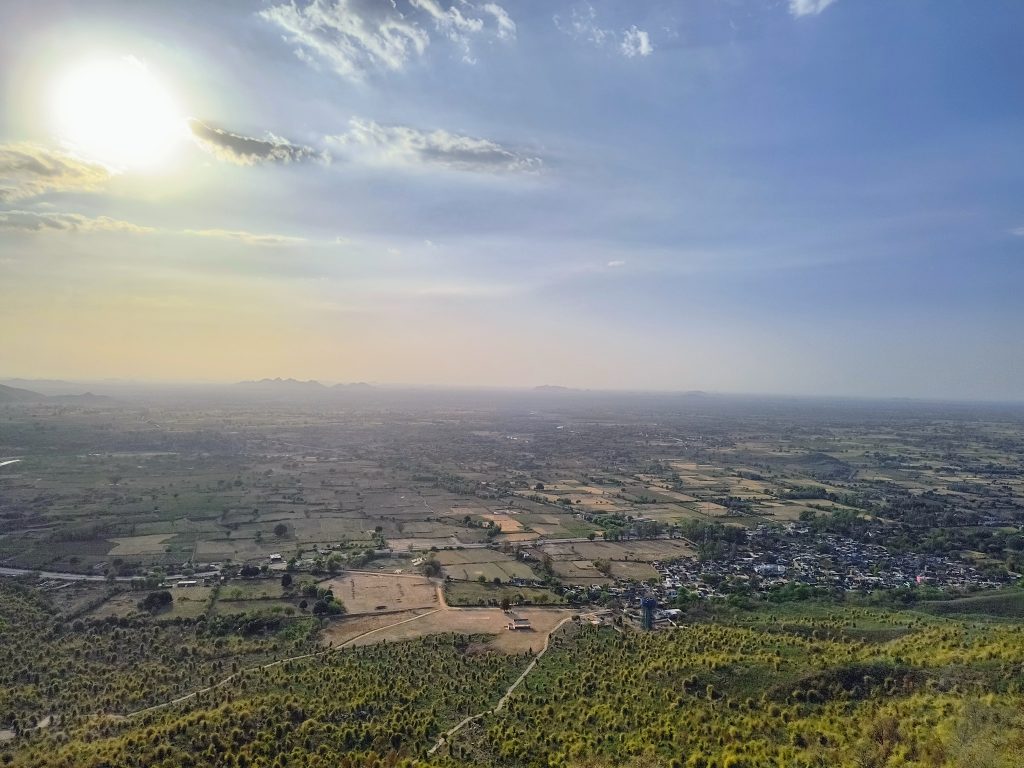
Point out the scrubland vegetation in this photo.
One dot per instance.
(808, 684)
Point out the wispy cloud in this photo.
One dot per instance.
(247, 150)
(808, 7)
(249, 238)
(29, 170)
(616, 263)
(506, 27)
(356, 37)
(1019, 231)
(36, 222)
(582, 24)
(31, 221)
(372, 142)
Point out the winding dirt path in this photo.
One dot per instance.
(446, 736)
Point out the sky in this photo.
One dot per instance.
(764, 196)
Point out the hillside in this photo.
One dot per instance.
(18, 395)
(787, 686)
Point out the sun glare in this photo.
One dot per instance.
(116, 112)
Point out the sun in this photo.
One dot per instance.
(116, 112)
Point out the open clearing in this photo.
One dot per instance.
(643, 551)
(471, 564)
(373, 592)
(469, 621)
(140, 545)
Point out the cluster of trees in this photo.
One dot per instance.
(372, 706)
(783, 685)
(855, 687)
(71, 669)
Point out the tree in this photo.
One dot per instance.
(286, 580)
(156, 601)
(280, 530)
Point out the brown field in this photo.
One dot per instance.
(579, 572)
(643, 551)
(514, 537)
(470, 564)
(483, 621)
(189, 602)
(711, 509)
(417, 545)
(633, 570)
(373, 593)
(342, 631)
(139, 545)
(682, 498)
(507, 523)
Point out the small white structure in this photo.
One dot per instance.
(516, 623)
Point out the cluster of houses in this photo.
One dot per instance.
(829, 561)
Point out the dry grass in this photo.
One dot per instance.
(373, 593)
(140, 545)
(470, 621)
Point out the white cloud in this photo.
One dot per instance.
(582, 24)
(249, 238)
(1019, 231)
(636, 42)
(246, 150)
(616, 264)
(356, 37)
(372, 142)
(808, 7)
(506, 27)
(30, 221)
(28, 170)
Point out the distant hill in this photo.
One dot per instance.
(356, 386)
(86, 398)
(18, 395)
(283, 385)
(554, 388)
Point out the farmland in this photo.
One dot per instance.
(372, 593)
(793, 684)
(811, 566)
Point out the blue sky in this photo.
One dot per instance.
(736, 195)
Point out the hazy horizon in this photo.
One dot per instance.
(74, 386)
(796, 197)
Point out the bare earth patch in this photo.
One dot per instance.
(469, 621)
(378, 592)
(140, 545)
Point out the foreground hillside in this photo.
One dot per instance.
(810, 685)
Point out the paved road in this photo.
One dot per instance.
(91, 576)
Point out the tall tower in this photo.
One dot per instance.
(648, 605)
